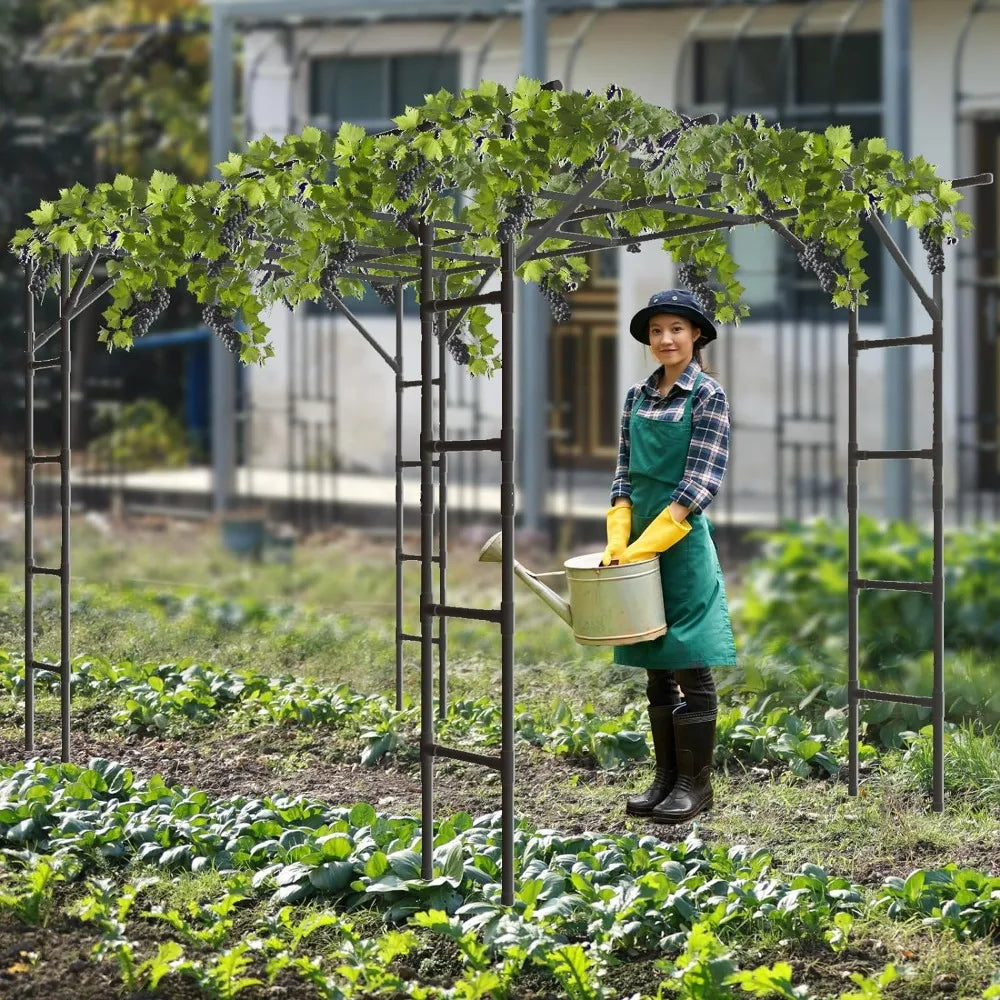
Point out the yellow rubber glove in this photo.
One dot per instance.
(663, 532)
(619, 527)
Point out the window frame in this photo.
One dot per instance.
(797, 294)
(370, 305)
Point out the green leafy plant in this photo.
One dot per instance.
(31, 898)
(143, 434)
(964, 901)
(792, 618)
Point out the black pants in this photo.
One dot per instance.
(663, 687)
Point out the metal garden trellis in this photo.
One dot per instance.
(434, 446)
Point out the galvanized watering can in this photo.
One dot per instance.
(608, 605)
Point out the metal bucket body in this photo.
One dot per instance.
(615, 605)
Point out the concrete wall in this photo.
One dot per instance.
(641, 50)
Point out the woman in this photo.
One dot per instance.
(671, 460)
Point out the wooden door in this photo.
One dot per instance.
(584, 368)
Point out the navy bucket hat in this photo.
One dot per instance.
(680, 302)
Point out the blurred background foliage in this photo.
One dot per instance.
(89, 89)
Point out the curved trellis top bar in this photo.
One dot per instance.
(559, 173)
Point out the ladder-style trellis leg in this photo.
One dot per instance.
(29, 516)
(442, 467)
(937, 500)
(426, 550)
(508, 266)
(63, 457)
(398, 290)
(852, 550)
(66, 290)
(933, 307)
(429, 447)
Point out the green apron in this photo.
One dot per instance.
(699, 633)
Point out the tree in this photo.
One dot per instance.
(60, 124)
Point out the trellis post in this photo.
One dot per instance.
(223, 368)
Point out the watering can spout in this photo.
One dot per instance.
(492, 552)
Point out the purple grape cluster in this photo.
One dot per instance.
(660, 147)
(386, 293)
(223, 324)
(456, 344)
(231, 236)
(459, 349)
(815, 257)
(558, 303)
(767, 207)
(145, 311)
(932, 247)
(215, 267)
(337, 261)
(404, 218)
(407, 179)
(696, 282)
(40, 275)
(519, 213)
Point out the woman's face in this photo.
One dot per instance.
(672, 339)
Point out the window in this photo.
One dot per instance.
(370, 91)
(808, 83)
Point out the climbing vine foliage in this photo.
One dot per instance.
(305, 217)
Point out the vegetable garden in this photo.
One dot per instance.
(246, 826)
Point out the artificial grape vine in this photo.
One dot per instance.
(519, 213)
(662, 147)
(41, 274)
(816, 256)
(223, 325)
(497, 145)
(932, 247)
(145, 311)
(337, 261)
(558, 303)
(696, 282)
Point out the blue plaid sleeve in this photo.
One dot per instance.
(622, 485)
(708, 452)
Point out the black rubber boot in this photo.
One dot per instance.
(694, 741)
(661, 724)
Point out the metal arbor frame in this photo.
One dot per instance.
(434, 448)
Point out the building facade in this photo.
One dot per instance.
(803, 64)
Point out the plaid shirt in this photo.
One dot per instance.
(709, 449)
